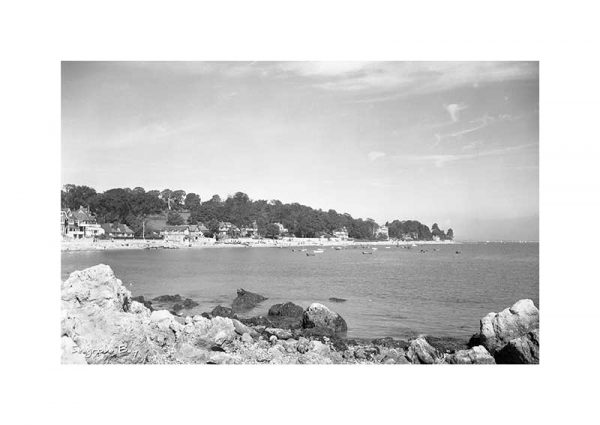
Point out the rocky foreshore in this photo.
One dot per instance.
(101, 323)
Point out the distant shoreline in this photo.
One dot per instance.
(102, 245)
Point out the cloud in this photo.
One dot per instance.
(441, 159)
(374, 155)
(454, 110)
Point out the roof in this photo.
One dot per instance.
(83, 214)
(116, 228)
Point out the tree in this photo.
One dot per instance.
(450, 234)
(272, 231)
(213, 227)
(192, 201)
(166, 195)
(77, 196)
(174, 219)
(178, 198)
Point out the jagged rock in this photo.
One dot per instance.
(168, 298)
(498, 329)
(337, 300)
(319, 316)
(96, 285)
(241, 329)
(146, 303)
(475, 355)
(246, 300)
(247, 338)
(522, 350)
(223, 312)
(389, 342)
(419, 351)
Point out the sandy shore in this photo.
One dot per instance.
(99, 245)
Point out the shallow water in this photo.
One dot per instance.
(393, 292)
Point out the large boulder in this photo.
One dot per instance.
(498, 329)
(522, 350)
(98, 286)
(420, 352)
(475, 355)
(288, 309)
(286, 316)
(246, 300)
(319, 316)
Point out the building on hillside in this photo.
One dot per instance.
(282, 229)
(228, 230)
(341, 233)
(79, 224)
(382, 232)
(249, 232)
(117, 230)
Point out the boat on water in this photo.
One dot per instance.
(338, 248)
(374, 249)
(318, 251)
(367, 252)
(310, 254)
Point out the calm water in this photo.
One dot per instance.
(394, 292)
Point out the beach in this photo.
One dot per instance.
(89, 244)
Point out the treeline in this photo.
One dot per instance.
(132, 206)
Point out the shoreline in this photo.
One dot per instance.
(101, 245)
(102, 323)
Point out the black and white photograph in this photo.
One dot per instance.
(300, 212)
(326, 212)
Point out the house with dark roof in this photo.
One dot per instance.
(118, 230)
(79, 224)
(184, 233)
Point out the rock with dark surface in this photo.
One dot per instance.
(286, 316)
(498, 329)
(337, 300)
(288, 309)
(420, 352)
(319, 316)
(389, 342)
(146, 303)
(475, 355)
(522, 350)
(447, 344)
(168, 298)
(220, 311)
(246, 300)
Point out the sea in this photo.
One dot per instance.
(393, 292)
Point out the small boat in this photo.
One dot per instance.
(387, 247)
(310, 254)
(318, 251)
(303, 250)
(413, 245)
(338, 248)
(367, 252)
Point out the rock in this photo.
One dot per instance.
(319, 316)
(223, 312)
(168, 298)
(257, 321)
(337, 300)
(288, 309)
(522, 350)
(70, 352)
(279, 333)
(420, 352)
(188, 320)
(272, 338)
(498, 329)
(160, 315)
(96, 285)
(303, 345)
(475, 355)
(389, 342)
(146, 303)
(447, 344)
(241, 329)
(246, 300)
(246, 338)
(189, 303)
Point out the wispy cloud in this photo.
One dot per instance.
(442, 159)
(374, 155)
(454, 110)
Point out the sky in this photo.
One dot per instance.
(453, 143)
